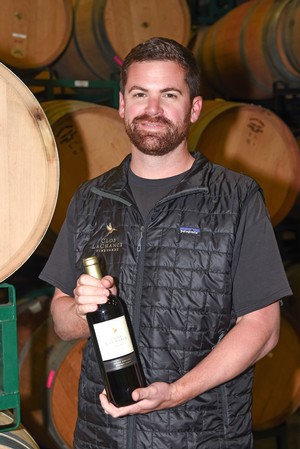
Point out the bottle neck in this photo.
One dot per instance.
(92, 267)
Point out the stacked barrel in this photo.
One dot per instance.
(61, 142)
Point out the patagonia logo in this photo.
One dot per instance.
(187, 230)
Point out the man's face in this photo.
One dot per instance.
(156, 107)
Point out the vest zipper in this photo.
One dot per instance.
(131, 420)
(224, 412)
(139, 245)
(131, 439)
(111, 196)
(185, 192)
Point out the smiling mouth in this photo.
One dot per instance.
(152, 124)
(151, 129)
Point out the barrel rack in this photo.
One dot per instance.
(207, 12)
(9, 379)
(105, 92)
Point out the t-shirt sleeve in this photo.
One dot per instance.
(59, 270)
(259, 277)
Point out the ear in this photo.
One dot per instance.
(196, 109)
(121, 105)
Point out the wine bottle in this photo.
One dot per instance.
(114, 344)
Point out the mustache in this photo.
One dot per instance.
(150, 119)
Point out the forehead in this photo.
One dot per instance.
(156, 73)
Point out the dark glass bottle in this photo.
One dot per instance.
(114, 344)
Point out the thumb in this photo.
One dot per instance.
(139, 394)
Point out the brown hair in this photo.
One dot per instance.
(164, 49)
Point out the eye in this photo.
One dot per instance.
(171, 95)
(139, 95)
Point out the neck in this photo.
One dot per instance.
(160, 167)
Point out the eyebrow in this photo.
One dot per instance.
(166, 89)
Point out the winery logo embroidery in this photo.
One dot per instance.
(107, 243)
(188, 230)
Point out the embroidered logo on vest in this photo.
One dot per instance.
(107, 243)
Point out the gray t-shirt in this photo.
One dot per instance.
(147, 192)
(258, 273)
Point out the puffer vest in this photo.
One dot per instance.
(174, 271)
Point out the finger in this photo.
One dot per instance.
(108, 282)
(89, 294)
(109, 408)
(84, 304)
(82, 311)
(103, 401)
(86, 279)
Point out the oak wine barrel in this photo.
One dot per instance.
(292, 304)
(105, 31)
(29, 173)
(276, 388)
(294, 213)
(63, 374)
(36, 338)
(253, 140)
(33, 34)
(195, 45)
(91, 139)
(15, 439)
(49, 374)
(251, 47)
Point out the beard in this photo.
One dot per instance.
(157, 143)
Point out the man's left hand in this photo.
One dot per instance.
(156, 396)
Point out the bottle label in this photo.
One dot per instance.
(120, 363)
(113, 338)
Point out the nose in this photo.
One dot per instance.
(154, 106)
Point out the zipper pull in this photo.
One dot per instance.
(139, 246)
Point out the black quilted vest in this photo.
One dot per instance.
(175, 273)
